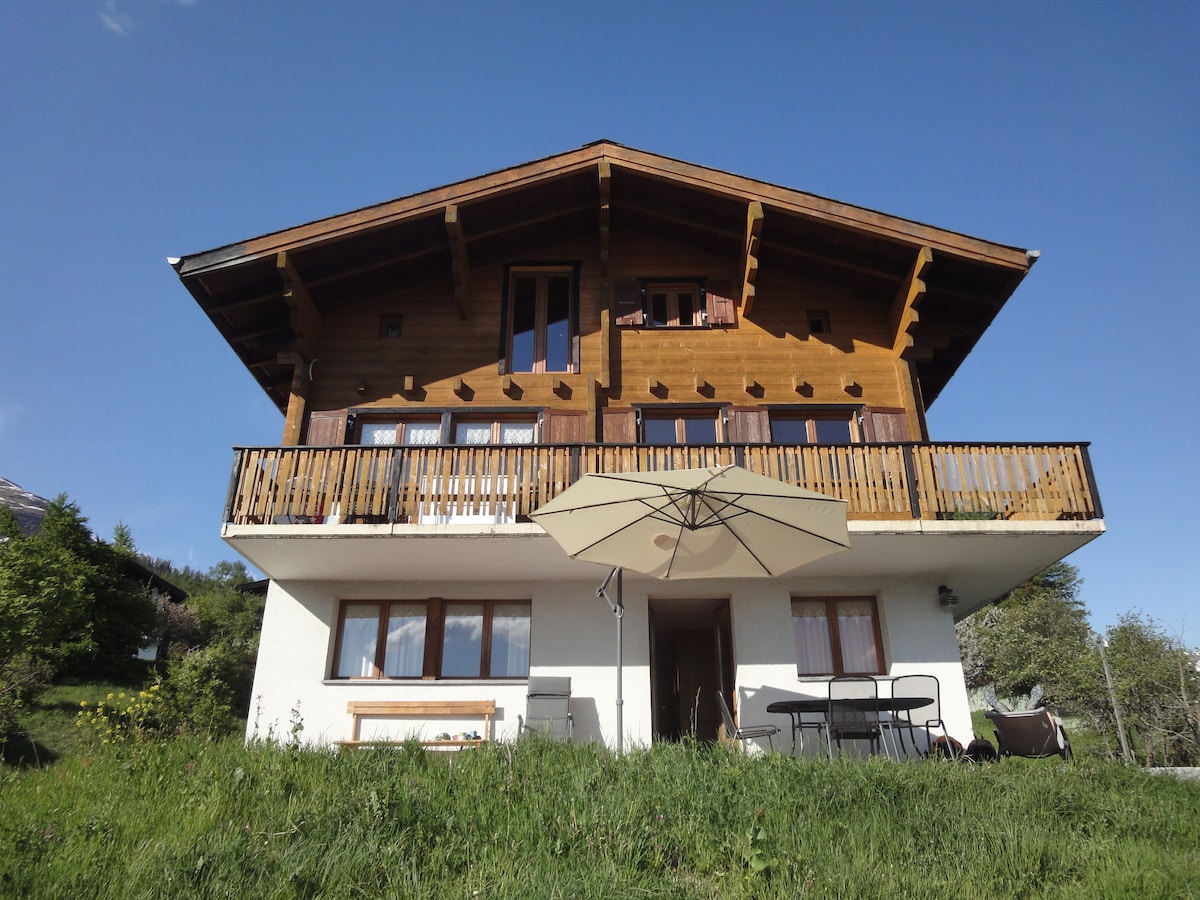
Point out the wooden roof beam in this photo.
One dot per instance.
(605, 176)
(903, 315)
(305, 317)
(749, 262)
(460, 266)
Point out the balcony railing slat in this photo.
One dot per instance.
(505, 483)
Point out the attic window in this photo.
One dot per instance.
(674, 305)
(540, 320)
(818, 321)
(390, 326)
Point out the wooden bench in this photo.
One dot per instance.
(359, 709)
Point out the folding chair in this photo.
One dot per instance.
(746, 732)
(547, 707)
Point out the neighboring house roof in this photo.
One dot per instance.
(268, 305)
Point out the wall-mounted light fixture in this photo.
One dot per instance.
(947, 597)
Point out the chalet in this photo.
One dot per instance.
(447, 361)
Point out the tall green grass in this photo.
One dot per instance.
(538, 819)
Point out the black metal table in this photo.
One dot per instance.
(798, 706)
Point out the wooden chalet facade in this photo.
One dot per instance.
(447, 361)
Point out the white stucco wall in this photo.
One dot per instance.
(573, 633)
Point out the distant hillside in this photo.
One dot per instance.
(28, 508)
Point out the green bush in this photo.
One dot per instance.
(207, 690)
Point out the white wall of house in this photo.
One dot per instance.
(573, 632)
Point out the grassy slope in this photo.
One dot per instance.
(541, 820)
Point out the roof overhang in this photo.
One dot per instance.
(267, 295)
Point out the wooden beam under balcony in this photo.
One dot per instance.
(460, 266)
(605, 176)
(304, 315)
(903, 315)
(750, 247)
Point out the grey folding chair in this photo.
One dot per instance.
(927, 717)
(547, 707)
(853, 712)
(745, 732)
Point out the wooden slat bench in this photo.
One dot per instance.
(359, 709)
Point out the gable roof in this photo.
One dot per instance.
(266, 294)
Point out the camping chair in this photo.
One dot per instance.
(1031, 732)
(746, 732)
(547, 707)
(928, 717)
(850, 720)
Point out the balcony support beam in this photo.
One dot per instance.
(748, 273)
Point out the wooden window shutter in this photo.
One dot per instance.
(627, 303)
(564, 426)
(720, 303)
(620, 426)
(887, 426)
(326, 429)
(749, 425)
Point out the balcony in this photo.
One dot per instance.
(477, 485)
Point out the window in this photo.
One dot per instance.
(467, 429)
(432, 639)
(540, 324)
(674, 305)
(391, 326)
(681, 426)
(829, 426)
(818, 321)
(412, 432)
(495, 431)
(837, 636)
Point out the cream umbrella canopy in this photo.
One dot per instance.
(723, 522)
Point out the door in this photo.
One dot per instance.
(689, 664)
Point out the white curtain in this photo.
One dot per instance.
(377, 434)
(422, 433)
(856, 628)
(516, 432)
(404, 654)
(360, 631)
(810, 628)
(510, 640)
(462, 644)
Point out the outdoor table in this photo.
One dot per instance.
(798, 706)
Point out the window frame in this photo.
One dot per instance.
(434, 646)
(447, 422)
(542, 272)
(681, 413)
(673, 288)
(810, 414)
(834, 635)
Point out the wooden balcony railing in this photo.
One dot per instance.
(494, 483)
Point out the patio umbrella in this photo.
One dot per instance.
(723, 522)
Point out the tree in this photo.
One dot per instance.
(1039, 634)
(1158, 688)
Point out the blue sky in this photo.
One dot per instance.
(135, 130)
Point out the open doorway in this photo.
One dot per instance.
(690, 660)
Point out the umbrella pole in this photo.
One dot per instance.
(618, 609)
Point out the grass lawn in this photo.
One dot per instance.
(187, 817)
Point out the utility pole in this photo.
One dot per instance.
(1102, 642)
